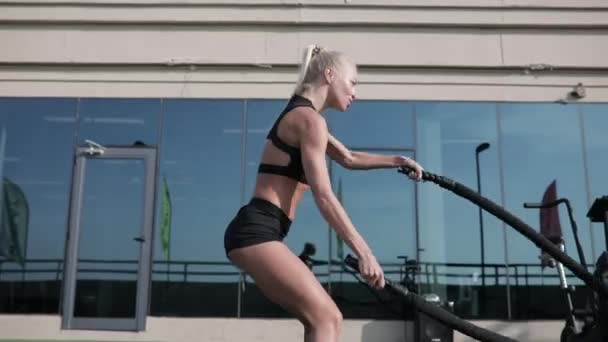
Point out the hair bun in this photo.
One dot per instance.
(317, 49)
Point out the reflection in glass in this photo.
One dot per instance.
(379, 124)
(261, 115)
(541, 144)
(201, 154)
(36, 142)
(14, 223)
(202, 171)
(119, 121)
(108, 252)
(381, 205)
(595, 119)
(448, 139)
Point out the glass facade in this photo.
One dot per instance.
(36, 146)
(201, 167)
(208, 153)
(449, 136)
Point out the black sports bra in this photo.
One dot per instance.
(294, 169)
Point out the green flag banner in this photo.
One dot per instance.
(165, 224)
(14, 223)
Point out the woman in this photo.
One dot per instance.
(293, 160)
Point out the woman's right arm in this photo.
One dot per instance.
(313, 136)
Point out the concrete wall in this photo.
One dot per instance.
(255, 330)
(407, 49)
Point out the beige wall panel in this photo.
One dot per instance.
(463, 92)
(250, 46)
(480, 93)
(247, 46)
(290, 15)
(562, 18)
(261, 75)
(564, 48)
(175, 46)
(554, 3)
(413, 47)
(135, 45)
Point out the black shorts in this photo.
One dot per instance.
(257, 222)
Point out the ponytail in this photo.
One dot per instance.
(314, 62)
(308, 54)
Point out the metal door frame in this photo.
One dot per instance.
(95, 151)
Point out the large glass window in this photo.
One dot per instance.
(378, 124)
(381, 205)
(36, 149)
(541, 145)
(199, 192)
(260, 116)
(595, 118)
(459, 140)
(209, 152)
(379, 202)
(119, 121)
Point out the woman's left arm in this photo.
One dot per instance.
(356, 160)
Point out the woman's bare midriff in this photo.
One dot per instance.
(282, 191)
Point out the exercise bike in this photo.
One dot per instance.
(586, 316)
(598, 281)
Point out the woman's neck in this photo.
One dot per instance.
(318, 97)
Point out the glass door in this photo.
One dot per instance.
(109, 243)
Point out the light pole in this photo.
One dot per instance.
(480, 148)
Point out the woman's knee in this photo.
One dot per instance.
(337, 319)
(325, 317)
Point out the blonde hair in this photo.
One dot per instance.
(314, 62)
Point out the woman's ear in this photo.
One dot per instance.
(329, 75)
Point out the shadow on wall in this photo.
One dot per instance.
(388, 331)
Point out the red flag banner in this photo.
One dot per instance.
(549, 223)
(549, 217)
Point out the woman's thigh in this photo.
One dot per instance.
(284, 279)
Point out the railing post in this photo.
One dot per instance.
(427, 276)
(59, 267)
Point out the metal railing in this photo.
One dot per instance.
(521, 274)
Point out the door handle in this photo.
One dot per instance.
(139, 239)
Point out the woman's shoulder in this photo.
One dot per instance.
(309, 124)
(308, 117)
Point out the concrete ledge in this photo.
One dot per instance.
(36, 328)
